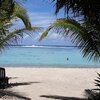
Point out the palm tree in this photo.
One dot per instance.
(83, 20)
(89, 10)
(13, 11)
(79, 34)
(6, 8)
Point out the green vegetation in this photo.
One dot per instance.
(78, 34)
(88, 10)
(94, 94)
(10, 11)
(82, 24)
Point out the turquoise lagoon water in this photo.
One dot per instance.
(44, 56)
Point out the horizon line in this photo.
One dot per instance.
(47, 45)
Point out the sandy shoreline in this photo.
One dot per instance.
(62, 82)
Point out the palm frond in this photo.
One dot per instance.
(21, 13)
(97, 83)
(6, 35)
(45, 33)
(79, 8)
(79, 35)
(94, 94)
(5, 40)
(6, 9)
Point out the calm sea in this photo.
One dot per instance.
(44, 57)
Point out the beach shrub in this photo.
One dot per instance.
(94, 94)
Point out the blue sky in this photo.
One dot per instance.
(42, 13)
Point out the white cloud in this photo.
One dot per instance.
(41, 19)
(43, 23)
(40, 15)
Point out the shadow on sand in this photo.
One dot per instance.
(8, 94)
(62, 97)
(20, 84)
(13, 77)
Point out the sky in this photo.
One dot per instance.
(41, 14)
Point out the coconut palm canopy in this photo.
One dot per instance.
(6, 9)
(85, 32)
(90, 10)
(9, 11)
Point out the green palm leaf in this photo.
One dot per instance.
(45, 33)
(7, 22)
(21, 13)
(79, 34)
(15, 34)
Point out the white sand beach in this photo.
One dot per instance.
(40, 83)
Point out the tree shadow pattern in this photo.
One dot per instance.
(62, 97)
(11, 95)
(6, 94)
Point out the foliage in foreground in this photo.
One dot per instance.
(10, 12)
(94, 94)
(80, 34)
(83, 20)
(88, 10)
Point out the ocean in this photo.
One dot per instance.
(44, 56)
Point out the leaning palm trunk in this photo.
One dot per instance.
(80, 34)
